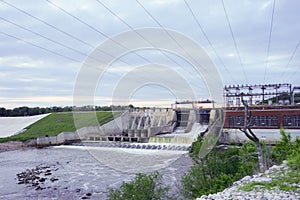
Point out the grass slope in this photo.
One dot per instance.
(56, 123)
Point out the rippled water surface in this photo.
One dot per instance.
(83, 170)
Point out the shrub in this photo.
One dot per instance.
(143, 187)
(294, 158)
(285, 149)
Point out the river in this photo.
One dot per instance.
(86, 170)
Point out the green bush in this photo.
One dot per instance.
(294, 158)
(285, 148)
(218, 170)
(143, 187)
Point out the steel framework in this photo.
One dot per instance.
(271, 94)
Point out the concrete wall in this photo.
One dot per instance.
(114, 127)
(191, 121)
(57, 140)
(171, 117)
(47, 141)
(157, 121)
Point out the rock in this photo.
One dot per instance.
(42, 179)
(53, 179)
(261, 179)
(77, 190)
(285, 162)
(39, 188)
(246, 178)
(274, 168)
(88, 194)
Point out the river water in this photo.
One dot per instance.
(83, 170)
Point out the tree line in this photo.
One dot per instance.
(30, 111)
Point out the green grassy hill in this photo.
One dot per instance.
(56, 123)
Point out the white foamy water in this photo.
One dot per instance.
(90, 170)
(14, 125)
(131, 160)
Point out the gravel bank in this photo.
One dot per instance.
(258, 192)
(15, 145)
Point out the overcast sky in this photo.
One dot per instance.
(43, 48)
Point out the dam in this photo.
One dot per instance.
(174, 128)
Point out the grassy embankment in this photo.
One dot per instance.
(56, 123)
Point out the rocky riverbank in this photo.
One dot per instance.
(267, 185)
(10, 146)
(15, 145)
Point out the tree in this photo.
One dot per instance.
(3, 112)
(249, 133)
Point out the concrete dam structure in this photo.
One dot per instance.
(155, 126)
(165, 127)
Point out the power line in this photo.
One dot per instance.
(291, 58)
(269, 40)
(208, 40)
(234, 41)
(131, 28)
(48, 50)
(47, 38)
(296, 68)
(139, 34)
(60, 30)
(159, 24)
(46, 23)
(94, 29)
(98, 31)
(40, 47)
